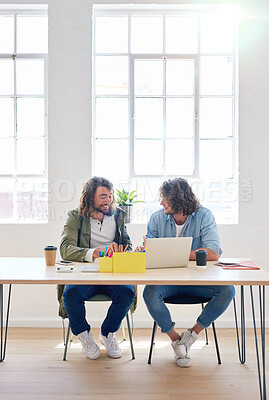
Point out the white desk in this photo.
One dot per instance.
(33, 271)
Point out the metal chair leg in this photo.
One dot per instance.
(152, 341)
(71, 337)
(123, 332)
(206, 335)
(216, 343)
(215, 338)
(130, 336)
(66, 342)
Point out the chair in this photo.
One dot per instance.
(100, 297)
(185, 300)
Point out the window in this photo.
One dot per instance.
(23, 113)
(164, 101)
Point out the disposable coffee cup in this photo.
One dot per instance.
(201, 256)
(50, 255)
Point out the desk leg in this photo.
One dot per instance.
(242, 347)
(262, 380)
(4, 336)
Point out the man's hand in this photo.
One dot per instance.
(112, 246)
(96, 252)
(118, 248)
(141, 248)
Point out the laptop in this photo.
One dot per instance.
(168, 252)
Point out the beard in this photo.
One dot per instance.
(108, 212)
(169, 212)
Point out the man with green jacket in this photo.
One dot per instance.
(96, 223)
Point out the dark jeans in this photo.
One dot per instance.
(122, 297)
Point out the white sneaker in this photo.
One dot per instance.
(89, 346)
(182, 346)
(183, 362)
(111, 345)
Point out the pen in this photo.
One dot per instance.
(100, 254)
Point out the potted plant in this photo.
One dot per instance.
(126, 200)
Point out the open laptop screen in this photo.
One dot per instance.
(168, 252)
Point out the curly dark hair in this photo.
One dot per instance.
(87, 198)
(179, 195)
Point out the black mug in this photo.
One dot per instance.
(201, 256)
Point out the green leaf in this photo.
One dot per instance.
(131, 194)
(126, 198)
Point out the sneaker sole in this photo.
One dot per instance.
(96, 355)
(187, 365)
(107, 352)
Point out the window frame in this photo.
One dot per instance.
(183, 10)
(15, 11)
(160, 57)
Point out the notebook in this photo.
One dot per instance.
(168, 252)
(237, 263)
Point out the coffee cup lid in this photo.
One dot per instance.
(50, 248)
(201, 252)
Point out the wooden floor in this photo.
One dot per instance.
(34, 370)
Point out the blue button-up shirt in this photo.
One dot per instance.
(200, 225)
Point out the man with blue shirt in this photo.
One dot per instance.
(182, 215)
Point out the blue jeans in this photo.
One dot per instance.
(122, 297)
(220, 296)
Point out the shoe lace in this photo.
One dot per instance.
(88, 342)
(113, 344)
(188, 341)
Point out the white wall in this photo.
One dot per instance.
(70, 148)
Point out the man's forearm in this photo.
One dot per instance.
(211, 256)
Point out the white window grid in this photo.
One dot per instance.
(26, 11)
(175, 11)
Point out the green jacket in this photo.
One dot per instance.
(76, 235)
(75, 242)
